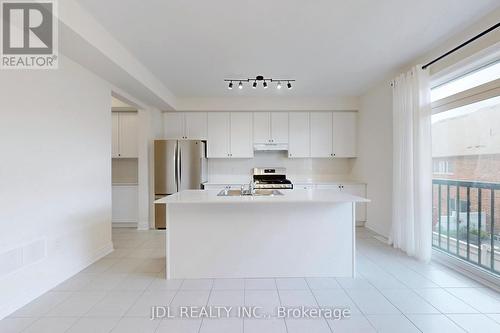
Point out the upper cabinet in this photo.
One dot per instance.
(270, 127)
(234, 134)
(345, 128)
(230, 135)
(124, 135)
(185, 125)
(321, 134)
(299, 137)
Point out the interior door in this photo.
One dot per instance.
(190, 155)
(165, 166)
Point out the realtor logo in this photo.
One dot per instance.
(29, 34)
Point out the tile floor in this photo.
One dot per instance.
(393, 293)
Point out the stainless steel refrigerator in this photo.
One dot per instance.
(179, 165)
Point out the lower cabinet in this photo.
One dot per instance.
(354, 189)
(125, 205)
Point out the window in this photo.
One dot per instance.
(470, 80)
(466, 167)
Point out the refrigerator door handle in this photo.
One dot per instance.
(176, 161)
(180, 169)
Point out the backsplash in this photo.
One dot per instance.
(300, 169)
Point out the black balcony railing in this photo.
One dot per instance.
(464, 214)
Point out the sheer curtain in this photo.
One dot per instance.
(412, 164)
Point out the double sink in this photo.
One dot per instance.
(256, 193)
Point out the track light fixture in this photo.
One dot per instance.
(258, 79)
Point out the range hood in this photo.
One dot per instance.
(270, 146)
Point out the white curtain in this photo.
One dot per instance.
(412, 164)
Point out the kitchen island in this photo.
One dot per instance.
(302, 233)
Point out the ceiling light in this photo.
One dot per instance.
(259, 78)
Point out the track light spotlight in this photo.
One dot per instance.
(280, 82)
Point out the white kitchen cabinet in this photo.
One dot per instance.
(241, 135)
(115, 135)
(299, 135)
(185, 125)
(196, 125)
(218, 135)
(279, 127)
(124, 135)
(124, 205)
(344, 134)
(261, 127)
(229, 135)
(270, 127)
(321, 134)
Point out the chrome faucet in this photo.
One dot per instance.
(251, 187)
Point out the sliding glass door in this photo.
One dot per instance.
(466, 168)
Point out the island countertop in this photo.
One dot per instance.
(289, 196)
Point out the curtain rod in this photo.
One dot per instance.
(462, 45)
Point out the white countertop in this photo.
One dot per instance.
(301, 181)
(290, 196)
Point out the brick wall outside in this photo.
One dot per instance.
(478, 168)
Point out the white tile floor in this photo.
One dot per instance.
(393, 293)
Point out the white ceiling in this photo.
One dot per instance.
(332, 47)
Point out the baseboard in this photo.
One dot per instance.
(478, 274)
(376, 230)
(29, 295)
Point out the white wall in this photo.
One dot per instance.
(55, 176)
(298, 169)
(150, 128)
(374, 162)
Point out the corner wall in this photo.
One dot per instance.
(374, 162)
(55, 176)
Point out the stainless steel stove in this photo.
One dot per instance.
(271, 178)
